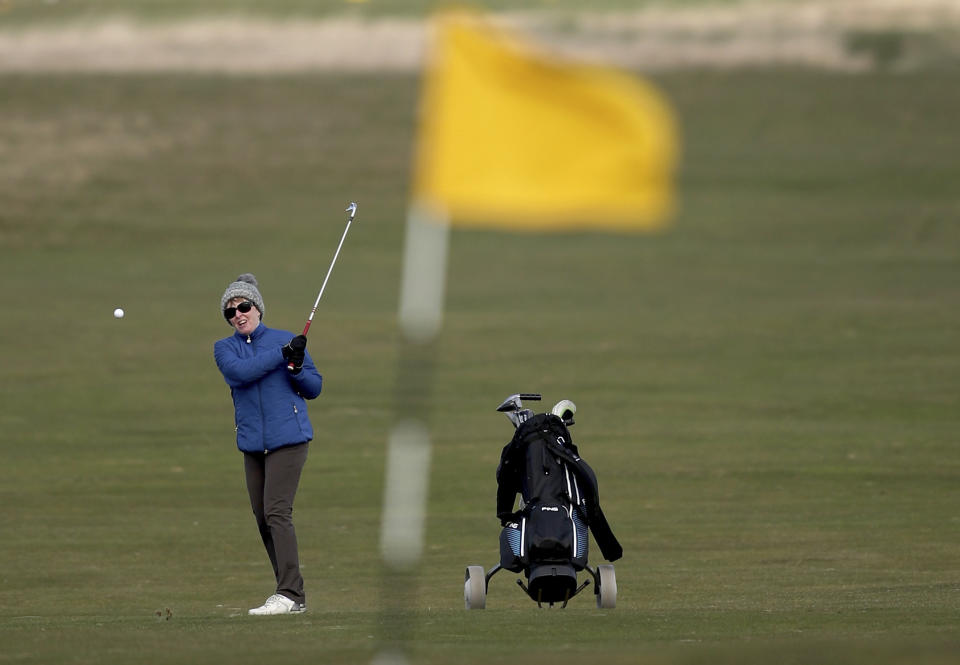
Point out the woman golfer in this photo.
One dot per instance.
(273, 430)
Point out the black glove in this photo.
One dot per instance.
(299, 343)
(294, 352)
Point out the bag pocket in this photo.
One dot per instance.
(549, 533)
(510, 547)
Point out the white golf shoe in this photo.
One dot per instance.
(277, 604)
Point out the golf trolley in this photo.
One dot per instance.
(546, 537)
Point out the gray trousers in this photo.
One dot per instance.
(272, 480)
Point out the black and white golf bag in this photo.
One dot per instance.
(547, 537)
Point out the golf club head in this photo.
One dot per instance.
(519, 417)
(564, 410)
(515, 403)
(513, 407)
(352, 209)
(512, 403)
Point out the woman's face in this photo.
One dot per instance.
(244, 322)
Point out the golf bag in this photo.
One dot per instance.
(547, 538)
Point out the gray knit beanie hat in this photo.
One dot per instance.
(244, 287)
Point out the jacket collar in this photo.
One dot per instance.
(257, 333)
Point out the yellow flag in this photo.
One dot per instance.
(509, 138)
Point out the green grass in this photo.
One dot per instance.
(768, 391)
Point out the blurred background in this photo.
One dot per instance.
(768, 390)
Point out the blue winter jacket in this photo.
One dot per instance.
(269, 401)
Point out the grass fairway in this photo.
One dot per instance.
(768, 392)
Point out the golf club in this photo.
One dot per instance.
(352, 209)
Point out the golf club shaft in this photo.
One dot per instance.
(352, 209)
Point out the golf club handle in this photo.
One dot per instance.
(306, 329)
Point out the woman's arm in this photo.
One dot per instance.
(308, 380)
(239, 371)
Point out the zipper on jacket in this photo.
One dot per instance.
(263, 424)
(263, 429)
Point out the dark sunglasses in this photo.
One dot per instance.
(243, 308)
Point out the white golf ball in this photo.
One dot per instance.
(118, 313)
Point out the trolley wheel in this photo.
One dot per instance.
(475, 588)
(607, 587)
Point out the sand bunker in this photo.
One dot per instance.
(818, 33)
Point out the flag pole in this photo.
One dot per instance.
(409, 448)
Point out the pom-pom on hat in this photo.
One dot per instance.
(244, 287)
